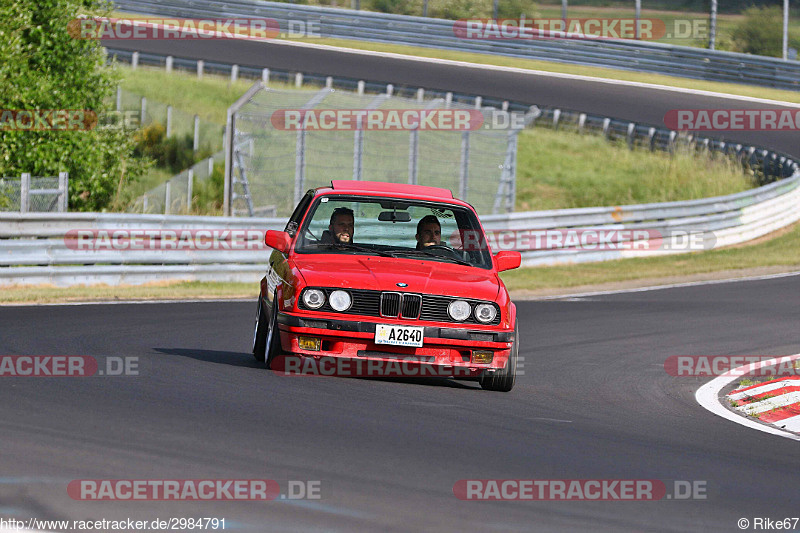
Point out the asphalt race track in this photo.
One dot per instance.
(646, 105)
(594, 403)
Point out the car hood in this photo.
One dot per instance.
(383, 274)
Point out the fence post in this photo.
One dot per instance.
(196, 141)
(24, 189)
(210, 166)
(189, 190)
(298, 80)
(234, 73)
(200, 66)
(463, 180)
(119, 98)
(63, 186)
(360, 87)
(169, 64)
(169, 121)
(265, 76)
(167, 192)
(413, 156)
(143, 110)
(134, 60)
(420, 94)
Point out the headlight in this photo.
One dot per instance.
(459, 310)
(340, 300)
(314, 298)
(485, 313)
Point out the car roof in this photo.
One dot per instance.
(379, 187)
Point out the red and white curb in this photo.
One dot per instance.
(776, 402)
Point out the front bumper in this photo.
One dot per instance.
(444, 348)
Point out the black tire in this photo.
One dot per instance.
(260, 333)
(503, 380)
(273, 341)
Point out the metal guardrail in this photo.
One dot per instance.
(34, 249)
(638, 56)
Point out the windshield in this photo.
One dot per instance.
(394, 228)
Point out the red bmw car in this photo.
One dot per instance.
(381, 275)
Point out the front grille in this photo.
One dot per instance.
(390, 304)
(411, 306)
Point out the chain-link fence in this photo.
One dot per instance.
(174, 196)
(285, 142)
(139, 111)
(28, 193)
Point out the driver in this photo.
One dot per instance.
(341, 228)
(429, 232)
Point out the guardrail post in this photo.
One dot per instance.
(448, 99)
(196, 140)
(556, 118)
(63, 195)
(606, 124)
(329, 82)
(169, 121)
(167, 198)
(24, 192)
(200, 65)
(143, 110)
(234, 73)
(298, 80)
(651, 135)
(189, 190)
(134, 60)
(478, 102)
(265, 76)
(389, 89)
(581, 122)
(169, 64)
(631, 131)
(118, 99)
(420, 94)
(672, 136)
(360, 89)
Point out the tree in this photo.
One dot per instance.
(43, 67)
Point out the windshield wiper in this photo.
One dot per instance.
(356, 247)
(438, 256)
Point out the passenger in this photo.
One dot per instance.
(429, 232)
(341, 228)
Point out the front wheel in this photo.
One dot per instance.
(503, 380)
(273, 342)
(260, 332)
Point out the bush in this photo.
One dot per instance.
(761, 32)
(43, 67)
(397, 7)
(175, 154)
(515, 8)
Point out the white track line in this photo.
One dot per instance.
(708, 397)
(670, 286)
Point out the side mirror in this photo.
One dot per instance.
(279, 240)
(507, 260)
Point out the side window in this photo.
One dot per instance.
(297, 215)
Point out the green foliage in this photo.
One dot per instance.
(208, 194)
(460, 9)
(398, 7)
(43, 67)
(175, 154)
(515, 8)
(761, 32)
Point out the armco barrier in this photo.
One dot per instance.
(638, 56)
(33, 247)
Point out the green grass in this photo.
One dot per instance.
(156, 291)
(780, 251)
(557, 170)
